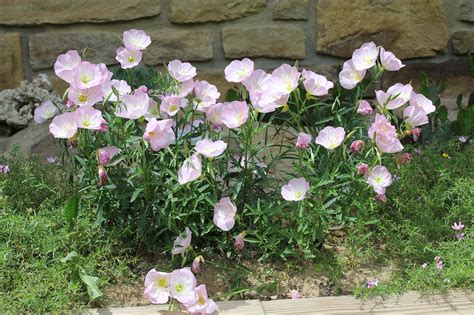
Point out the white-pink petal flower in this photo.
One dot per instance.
(202, 305)
(210, 148)
(213, 114)
(239, 70)
(105, 154)
(421, 101)
(224, 214)
(182, 243)
(85, 97)
(415, 116)
(133, 106)
(397, 95)
(157, 287)
(87, 75)
(365, 57)
(364, 108)
(234, 114)
(379, 178)
(349, 77)
(136, 39)
(45, 111)
(159, 133)
(65, 64)
(182, 284)
(285, 78)
(330, 137)
(295, 190)
(206, 93)
(190, 170)
(128, 57)
(186, 87)
(303, 141)
(181, 71)
(170, 104)
(64, 126)
(121, 86)
(316, 84)
(88, 117)
(389, 61)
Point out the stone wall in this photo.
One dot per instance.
(433, 35)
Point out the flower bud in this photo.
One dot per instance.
(102, 176)
(362, 169)
(239, 241)
(416, 132)
(303, 140)
(195, 266)
(142, 88)
(356, 146)
(381, 198)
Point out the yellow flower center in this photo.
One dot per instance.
(298, 195)
(173, 108)
(131, 59)
(162, 283)
(86, 123)
(378, 180)
(82, 98)
(201, 300)
(179, 288)
(85, 79)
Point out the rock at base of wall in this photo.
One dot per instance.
(463, 42)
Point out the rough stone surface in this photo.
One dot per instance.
(466, 11)
(194, 11)
(11, 66)
(264, 41)
(45, 47)
(463, 42)
(182, 45)
(408, 28)
(31, 12)
(291, 10)
(17, 105)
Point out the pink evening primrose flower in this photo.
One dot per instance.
(294, 294)
(357, 146)
(397, 95)
(460, 236)
(234, 114)
(295, 190)
(157, 287)
(330, 137)
(206, 93)
(349, 76)
(105, 154)
(136, 39)
(362, 169)
(421, 101)
(239, 70)
(88, 117)
(190, 170)
(439, 264)
(389, 61)
(45, 111)
(316, 84)
(181, 244)
(153, 111)
(415, 116)
(224, 214)
(437, 258)
(256, 83)
(86, 75)
(416, 132)
(4, 169)
(202, 305)
(364, 108)
(303, 141)
(365, 57)
(182, 284)
(379, 178)
(181, 71)
(64, 126)
(372, 283)
(213, 114)
(196, 265)
(121, 86)
(285, 78)
(106, 73)
(128, 57)
(385, 135)
(159, 133)
(65, 64)
(239, 241)
(133, 106)
(186, 87)
(85, 97)
(170, 104)
(457, 226)
(210, 148)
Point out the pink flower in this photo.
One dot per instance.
(86, 75)
(202, 305)
(136, 39)
(295, 190)
(128, 57)
(182, 284)
(234, 114)
(239, 241)
(142, 88)
(63, 126)
(457, 226)
(379, 178)
(415, 116)
(316, 84)
(65, 64)
(210, 148)
(285, 78)
(153, 111)
(381, 198)
(157, 287)
(349, 76)
(181, 244)
(330, 137)
(437, 258)
(362, 168)
(121, 86)
(159, 133)
(416, 132)
(372, 283)
(105, 154)
(364, 108)
(181, 71)
(356, 146)
(106, 73)
(239, 70)
(420, 100)
(389, 61)
(365, 57)
(460, 236)
(213, 114)
(45, 111)
(295, 295)
(85, 97)
(186, 87)
(303, 141)
(406, 158)
(4, 169)
(385, 135)
(439, 264)
(190, 170)
(206, 93)
(195, 266)
(133, 106)
(256, 83)
(88, 118)
(171, 104)
(399, 95)
(224, 214)
(102, 176)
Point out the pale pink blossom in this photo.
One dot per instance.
(142, 88)
(133, 106)
(181, 71)
(186, 87)
(379, 178)
(210, 148)
(256, 83)
(406, 158)
(105, 154)
(136, 39)
(182, 285)
(285, 78)
(190, 170)
(415, 116)
(103, 178)
(239, 241)
(120, 86)
(159, 133)
(381, 198)
(104, 126)
(457, 226)
(389, 61)
(294, 294)
(4, 169)
(421, 101)
(349, 77)
(106, 73)
(157, 287)
(234, 114)
(45, 111)
(65, 64)
(372, 283)
(224, 214)
(170, 104)
(357, 146)
(364, 108)
(303, 141)
(88, 117)
(385, 135)
(416, 132)
(437, 258)
(196, 265)
(330, 137)
(85, 97)
(64, 126)
(316, 84)
(128, 57)
(439, 264)
(86, 75)
(213, 114)
(202, 305)
(295, 190)
(154, 111)
(362, 169)
(239, 70)
(365, 56)
(206, 93)
(182, 243)
(460, 236)
(397, 95)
